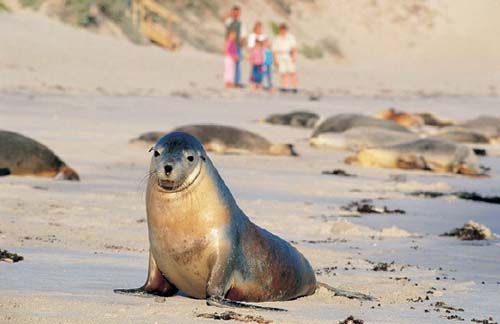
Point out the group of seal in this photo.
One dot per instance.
(388, 144)
(21, 155)
(202, 243)
(225, 140)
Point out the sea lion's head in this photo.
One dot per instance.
(176, 162)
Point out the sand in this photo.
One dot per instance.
(81, 240)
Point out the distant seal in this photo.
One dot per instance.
(361, 137)
(21, 155)
(225, 140)
(305, 119)
(412, 119)
(202, 243)
(489, 126)
(342, 122)
(424, 154)
(402, 118)
(463, 135)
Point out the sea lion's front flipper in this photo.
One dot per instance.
(345, 293)
(156, 284)
(218, 283)
(222, 302)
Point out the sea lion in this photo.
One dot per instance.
(21, 155)
(402, 118)
(202, 243)
(225, 140)
(412, 120)
(461, 136)
(305, 119)
(148, 138)
(361, 137)
(424, 154)
(489, 126)
(342, 122)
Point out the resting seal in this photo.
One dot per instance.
(202, 243)
(20, 155)
(360, 138)
(303, 119)
(224, 140)
(415, 119)
(342, 122)
(424, 154)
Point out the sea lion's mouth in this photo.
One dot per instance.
(168, 185)
(173, 186)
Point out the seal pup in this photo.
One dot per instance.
(360, 138)
(305, 119)
(424, 154)
(21, 155)
(342, 122)
(225, 140)
(202, 243)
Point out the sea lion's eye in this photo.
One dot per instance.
(156, 153)
(203, 158)
(190, 158)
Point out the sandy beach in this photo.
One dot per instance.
(80, 240)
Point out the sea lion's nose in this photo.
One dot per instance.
(168, 168)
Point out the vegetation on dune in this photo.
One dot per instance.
(89, 14)
(4, 7)
(310, 51)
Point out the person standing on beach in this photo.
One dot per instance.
(234, 24)
(257, 62)
(230, 58)
(285, 57)
(267, 68)
(252, 40)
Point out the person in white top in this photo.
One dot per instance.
(285, 57)
(233, 24)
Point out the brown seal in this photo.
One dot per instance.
(202, 243)
(21, 155)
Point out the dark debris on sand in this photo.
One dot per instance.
(351, 320)
(338, 172)
(233, 316)
(6, 256)
(489, 320)
(460, 194)
(365, 206)
(383, 266)
(470, 231)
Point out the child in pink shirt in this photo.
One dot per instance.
(257, 61)
(230, 57)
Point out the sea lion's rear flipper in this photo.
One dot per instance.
(156, 284)
(345, 293)
(67, 173)
(222, 302)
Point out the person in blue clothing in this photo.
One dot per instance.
(233, 23)
(268, 65)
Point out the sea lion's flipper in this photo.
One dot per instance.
(222, 302)
(156, 284)
(67, 173)
(345, 293)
